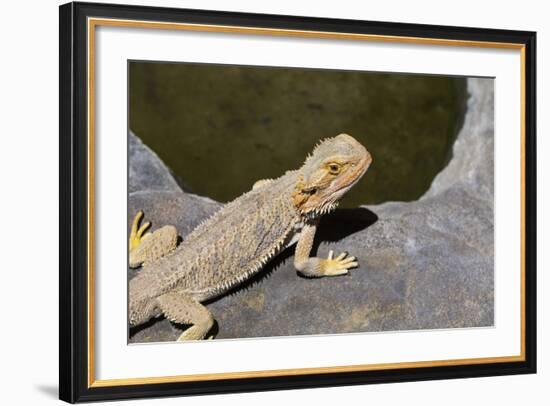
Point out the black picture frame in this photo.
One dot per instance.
(74, 385)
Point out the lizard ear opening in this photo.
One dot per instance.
(302, 193)
(299, 198)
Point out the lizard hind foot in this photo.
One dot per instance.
(146, 246)
(137, 233)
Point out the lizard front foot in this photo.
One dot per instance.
(337, 266)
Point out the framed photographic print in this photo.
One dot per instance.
(255, 202)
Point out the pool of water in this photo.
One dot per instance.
(220, 128)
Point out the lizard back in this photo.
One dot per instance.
(229, 247)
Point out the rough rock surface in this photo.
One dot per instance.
(426, 264)
(145, 170)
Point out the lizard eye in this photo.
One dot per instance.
(334, 169)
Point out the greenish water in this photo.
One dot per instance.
(221, 128)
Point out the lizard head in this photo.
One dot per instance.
(335, 165)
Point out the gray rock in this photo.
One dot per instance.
(145, 169)
(426, 264)
(472, 165)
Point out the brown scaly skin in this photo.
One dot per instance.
(235, 243)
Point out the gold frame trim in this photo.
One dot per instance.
(94, 22)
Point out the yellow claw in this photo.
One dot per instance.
(135, 223)
(137, 234)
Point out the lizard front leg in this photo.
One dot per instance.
(147, 247)
(181, 308)
(315, 266)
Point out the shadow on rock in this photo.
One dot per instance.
(265, 273)
(144, 326)
(342, 223)
(334, 227)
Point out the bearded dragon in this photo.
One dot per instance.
(239, 239)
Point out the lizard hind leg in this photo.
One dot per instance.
(181, 308)
(146, 246)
